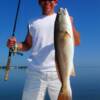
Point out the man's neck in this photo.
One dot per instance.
(48, 14)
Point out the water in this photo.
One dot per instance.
(85, 86)
(12, 89)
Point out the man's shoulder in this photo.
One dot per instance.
(33, 21)
(40, 19)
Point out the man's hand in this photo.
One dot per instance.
(11, 42)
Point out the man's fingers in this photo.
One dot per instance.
(11, 42)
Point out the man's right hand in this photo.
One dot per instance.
(11, 42)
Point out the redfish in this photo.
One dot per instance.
(64, 52)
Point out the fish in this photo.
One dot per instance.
(64, 52)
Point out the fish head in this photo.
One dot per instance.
(63, 19)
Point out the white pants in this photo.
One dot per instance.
(37, 83)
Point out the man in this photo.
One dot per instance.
(41, 73)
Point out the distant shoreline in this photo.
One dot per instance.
(14, 67)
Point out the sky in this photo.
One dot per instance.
(86, 15)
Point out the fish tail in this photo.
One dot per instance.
(65, 93)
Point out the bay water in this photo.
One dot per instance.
(85, 86)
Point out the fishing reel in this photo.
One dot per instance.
(14, 50)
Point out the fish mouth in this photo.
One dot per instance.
(62, 11)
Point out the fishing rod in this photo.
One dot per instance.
(12, 50)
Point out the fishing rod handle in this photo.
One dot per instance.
(7, 67)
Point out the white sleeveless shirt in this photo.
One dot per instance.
(43, 54)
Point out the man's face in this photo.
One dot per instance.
(47, 6)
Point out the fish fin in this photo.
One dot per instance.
(66, 35)
(73, 72)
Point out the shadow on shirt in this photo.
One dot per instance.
(44, 55)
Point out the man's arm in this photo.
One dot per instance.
(76, 34)
(22, 46)
(27, 44)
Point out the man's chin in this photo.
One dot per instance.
(47, 12)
